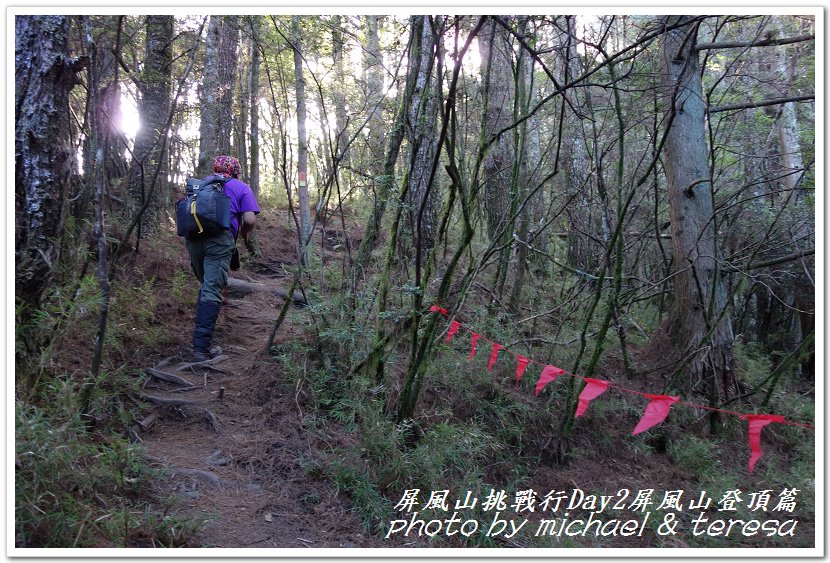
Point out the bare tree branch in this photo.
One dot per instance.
(772, 102)
(771, 262)
(762, 43)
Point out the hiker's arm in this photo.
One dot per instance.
(248, 222)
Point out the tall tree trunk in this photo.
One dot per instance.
(376, 362)
(100, 132)
(153, 108)
(256, 58)
(793, 173)
(496, 58)
(108, 101)
(44, 157)
(529, 164)
(373, 71)
(499, 174)
(340, 112)
(423, 119)
(240, 116)
(386, 177)
(791, 158)
(253, 173)
(533, 166)
(576, 163)
(422, 335)
(216, 96)
(302, 142)
(700, 322)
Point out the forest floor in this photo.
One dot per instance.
(233, 461)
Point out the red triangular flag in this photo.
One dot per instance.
(549, 373)
(656, 412)
(473, 348)
(437, 309)
(593, 389)
(521, 367)
(756, 424)
(454, 326)
(493, 355)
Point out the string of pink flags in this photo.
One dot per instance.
(655, 412)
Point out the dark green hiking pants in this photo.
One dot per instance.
(210, 260)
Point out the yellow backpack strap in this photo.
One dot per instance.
(196, 217)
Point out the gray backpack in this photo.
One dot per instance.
(206, 210)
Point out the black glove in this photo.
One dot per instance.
(235, 259)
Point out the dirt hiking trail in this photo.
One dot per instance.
(230, 435)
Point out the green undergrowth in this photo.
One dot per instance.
(79, 488)
(80, 481)
(481, 431)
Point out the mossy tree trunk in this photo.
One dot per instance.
(45, 73)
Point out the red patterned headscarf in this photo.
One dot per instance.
(227, 166)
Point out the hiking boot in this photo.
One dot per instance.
(202, 356)
(206, 315)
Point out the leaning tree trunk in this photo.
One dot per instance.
(700, 322)
(423, 334)
(44, 158)
(216, 97)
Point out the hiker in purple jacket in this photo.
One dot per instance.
(211, 257)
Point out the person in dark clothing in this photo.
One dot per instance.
(210, 258)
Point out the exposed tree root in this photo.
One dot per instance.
(168, 377)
